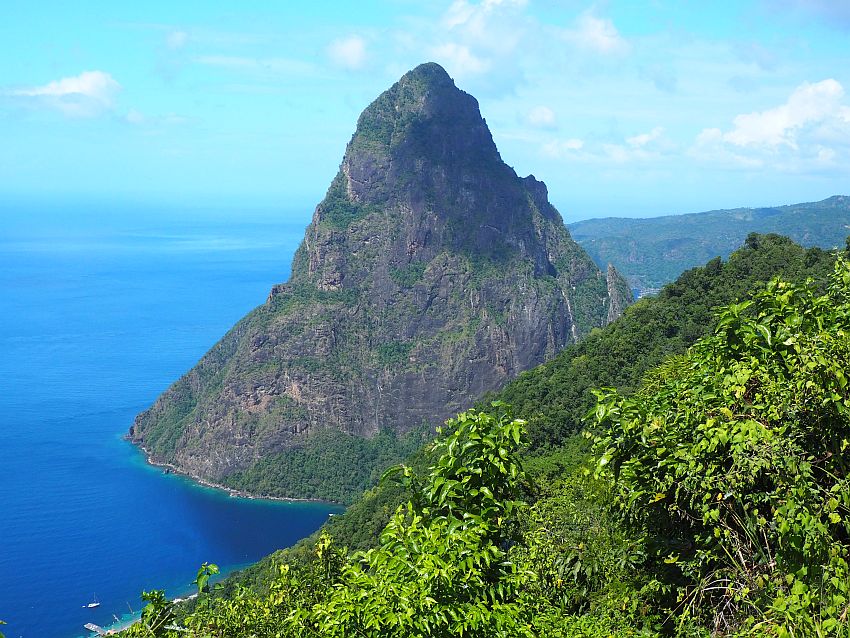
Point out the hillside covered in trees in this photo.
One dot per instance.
(652, 252)
(707, 496)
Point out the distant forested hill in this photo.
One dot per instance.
(653, 252)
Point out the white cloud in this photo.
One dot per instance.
(808, 104)
(639, 141)
(710, 148)
(348, 53)
(596, 35)
(809, 132)
(542, 117)
(559, 149)
(87, 94)
(619, 154)
(460, 60)
(475, 18)
(473, 39)
(641, 150)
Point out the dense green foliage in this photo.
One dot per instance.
(730, 465)
(330, 466)
(451, 562)
(652, 252)
(555, 396)
(337, 209)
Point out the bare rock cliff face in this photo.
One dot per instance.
(430, 274)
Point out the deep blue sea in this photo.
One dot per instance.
(100, 310)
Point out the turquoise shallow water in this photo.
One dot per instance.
(100, 312)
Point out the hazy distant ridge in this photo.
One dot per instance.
(653, 252)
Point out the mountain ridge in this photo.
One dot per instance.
(651, 252)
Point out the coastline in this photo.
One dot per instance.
(233, 492)
(125, 623)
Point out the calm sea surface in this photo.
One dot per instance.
(99, 313)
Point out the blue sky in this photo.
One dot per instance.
(623, 108)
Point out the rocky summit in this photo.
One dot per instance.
(430, 274)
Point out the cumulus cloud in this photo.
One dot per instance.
(87, 94)
(559, 149)
(596, 35)
(641, 140)
(809, 104)
(474, 38)
(475, 18)
(809, 131)
(640, 150)
(348, 53)
(619, 154)
(460, 60)
(541, 117)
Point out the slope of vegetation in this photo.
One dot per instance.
(330, 466)
(652, 252)
(555, 396)
(729, 467)
(714, 500)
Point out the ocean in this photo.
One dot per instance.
(102, 308)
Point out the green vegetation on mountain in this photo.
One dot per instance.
(714, 502)
(555, 397)
(430, 274)
(730, 467)
(330, 466)
(653, 252)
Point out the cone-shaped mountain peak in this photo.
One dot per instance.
(430, 274)
(423, 119)
(423, 158)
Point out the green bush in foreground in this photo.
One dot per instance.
(731, 463)
(443, 567)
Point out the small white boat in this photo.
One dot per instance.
(94, 603)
